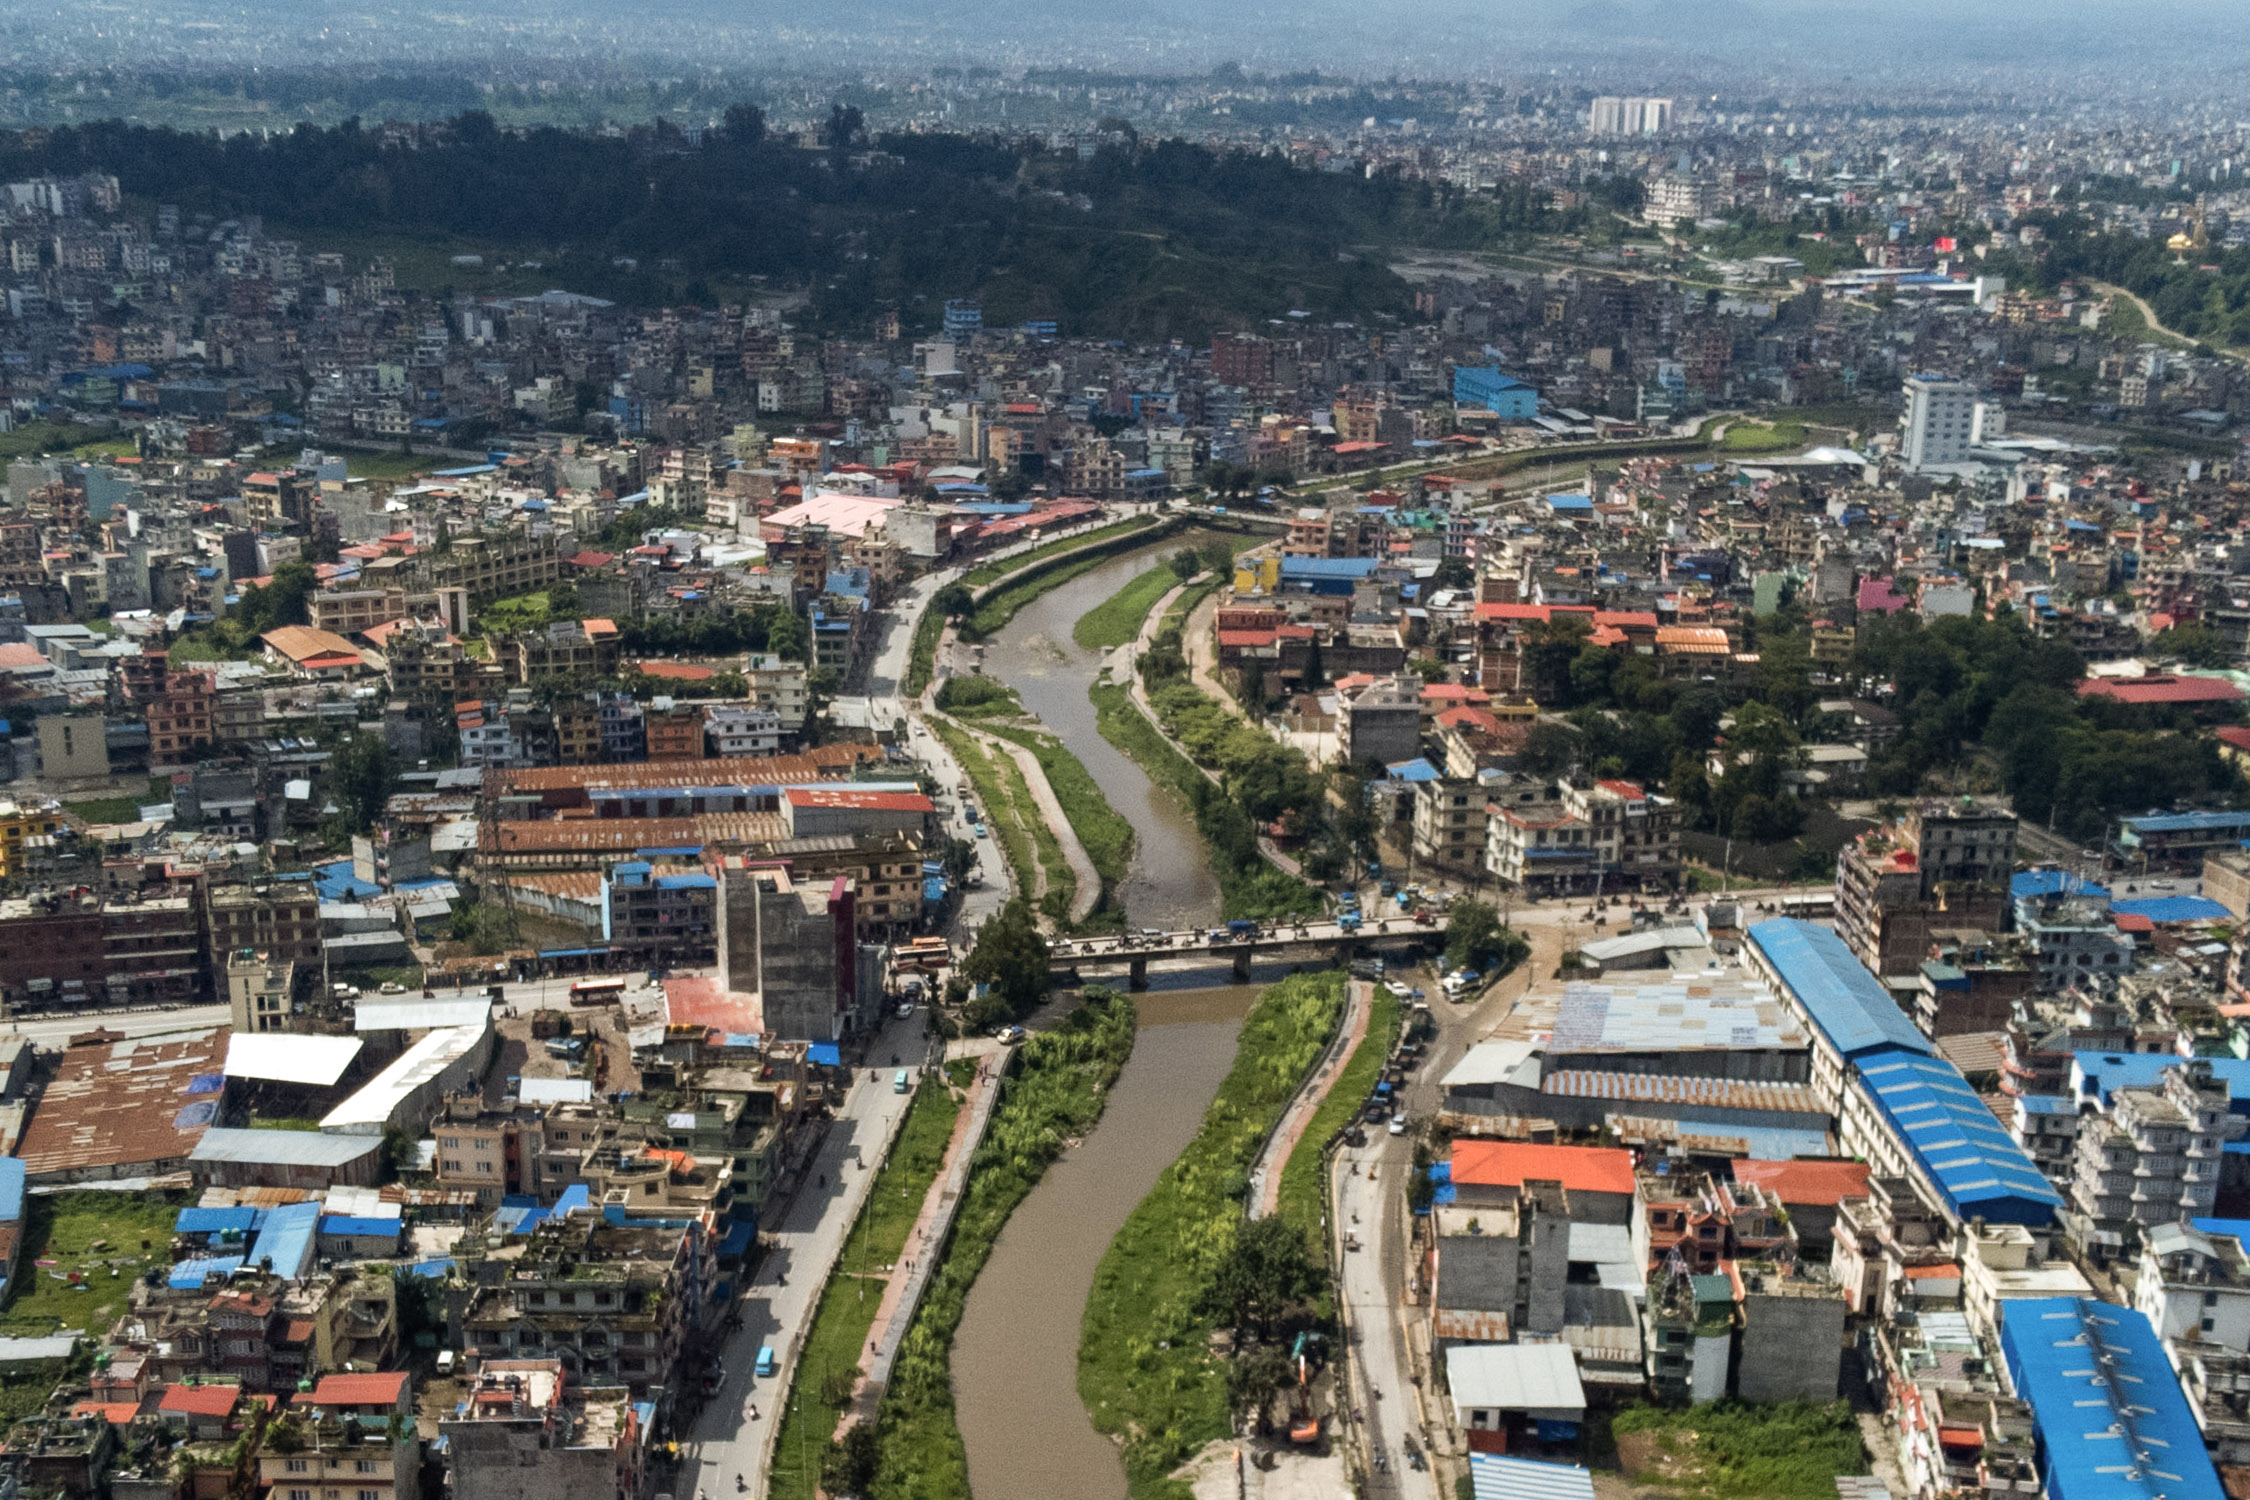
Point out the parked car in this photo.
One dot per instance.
(1397, 989)
(1398, 1125)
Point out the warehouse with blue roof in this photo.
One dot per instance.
(2111, 1420)
(1897, 1103)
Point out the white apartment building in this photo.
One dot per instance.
(1940, 422)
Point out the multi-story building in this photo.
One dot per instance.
(780, 686)
(2194, 1287)
(1449, 824)
(673, 731)
(612, 1303)
(152, 949)
(732, 729)
(259, 993)
(1946, 864)
(1382, 723)
(280, 920)
(1562, 839)
(2154, 1159)
(523, 1432)
(661, 917)
(315, 1453)
(1940, 422)
(566, 649)
(25, 825)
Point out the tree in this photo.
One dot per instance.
(361, 775)
(745, 125)
(959, 858)
(1549, 751)
(284, 599)
(1254, 1377)
(1453, 573)
(1475, 938)
(1267, 1271)
(1185, 564)
(845, 128)
(1011, 956)
(955, 601)
(848, 1467)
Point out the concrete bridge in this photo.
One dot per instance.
(1300, 942)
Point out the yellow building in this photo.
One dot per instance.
(19, 824)
(1258, 572)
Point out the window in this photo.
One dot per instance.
(297, 1466)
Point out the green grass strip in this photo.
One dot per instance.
(999, 568)
(993, 615)
(828, 1365)
(921, 656)
(1119, 618)
(1061, 1081)
(994, 800)
(1145, 1367)
(1105, 833)
(1302, 1177)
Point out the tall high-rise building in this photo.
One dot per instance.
(1945, 865)
(1940, 422)
(1613, 114)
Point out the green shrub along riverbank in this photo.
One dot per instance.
(1060, 1084)
(1248, 885)
(1012, 816)
(1303, 1182)
(1118, 618)
(1145, 1368)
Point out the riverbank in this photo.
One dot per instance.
(1249, 886)
(1145, 1368)
(1012, 816)
(1119, 618)
(828, 1366)
(1304, 1187)
(997, 605)
(1056, 1093)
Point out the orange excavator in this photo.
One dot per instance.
(1304, 1427)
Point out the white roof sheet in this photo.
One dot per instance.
(297, 1148)
(360, 1203)
(1490, 1062)
(555, 1090)
(418, 1014)
(1601, 1242)
(419, 1065)
(1516, 1377)
(286, 1057)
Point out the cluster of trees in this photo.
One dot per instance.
(1476, 938)
(728, 632)
(284, 599)
(2209, 305)
(1981, 704)
(1146, 239)
(1010, 956)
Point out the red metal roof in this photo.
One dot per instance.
(380, 1389)
(2161, 688)
(1580, 1169)
(201, 1400)
(826, 796)
(1806, 1181)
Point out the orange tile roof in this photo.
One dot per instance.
(1580, 1169)
(1806, 1181)
(201, 1400)
(382, 1389)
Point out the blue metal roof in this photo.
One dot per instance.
(2189, 822)
(2047, 1104)
(1974, 1164)
(2166, 909)
(216, 1221)
(2112, 1421)
(1416, 770)
(2051, 883)
(187, 1276)
(1329, 567)
(1848, 1005)
(2097, 1075)
(11, 1189)
(1570, 502)
(352, 1225)
(287, 1239)
(825, 1054)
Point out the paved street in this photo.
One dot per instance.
(1369, 1198)
(777, 1307)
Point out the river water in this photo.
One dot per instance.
(1015, 1360)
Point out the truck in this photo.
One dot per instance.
(1348, 922)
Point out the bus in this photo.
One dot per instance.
(922, 953)
(597, 992)
(1814, 903)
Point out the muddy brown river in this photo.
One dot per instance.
(1015, 1360)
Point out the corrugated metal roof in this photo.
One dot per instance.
(1846, 1002)
(1493, 1477)
(1515, 1377)
(1974, 1164)
(2113, 1422)
(418, 1014)
(293, 1148)
(1650, 1088)
(1666, 1013)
